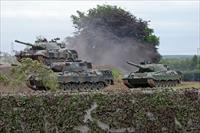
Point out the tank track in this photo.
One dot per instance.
(163, 83)
(82, 87)
(88, 86)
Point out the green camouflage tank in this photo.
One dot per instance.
(152, 75)
(76, 75)
(46, 51)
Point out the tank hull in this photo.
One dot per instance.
(77, 75)
(132, 83)
(74, 83)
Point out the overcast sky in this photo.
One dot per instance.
(176, 23)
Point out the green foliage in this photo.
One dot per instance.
(4, 79)
(117, 20)
(152, 39)
(117, 74)
(183, 64)
(28, 67)
(195, 62)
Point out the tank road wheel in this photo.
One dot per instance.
(166, 83)
(33, 87)
(82, 87)
(66, 87)
(30, 83)
(162, 84)
(88, 86)
(100, 85)
(108, 82)
(76, 86)
(157, 84)
(175, 82)
(93, 86)
(62, 86)
(171, 83)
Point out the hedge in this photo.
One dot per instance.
(157, 112)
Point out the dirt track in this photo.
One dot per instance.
(118, 87)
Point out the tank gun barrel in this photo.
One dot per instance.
(29, 44)
(133, 64)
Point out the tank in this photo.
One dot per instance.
(76, 75)
(152, 75)
(46, 51)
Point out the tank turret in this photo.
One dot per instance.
(75, 66)
(143, 67)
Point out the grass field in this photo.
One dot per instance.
(185, 85)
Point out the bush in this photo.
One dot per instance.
(29, 67)
(117, 74)
(4, 79)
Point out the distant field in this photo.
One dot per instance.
(177, 56)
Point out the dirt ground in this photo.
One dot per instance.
(117, 87)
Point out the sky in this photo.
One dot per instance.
(175, 22)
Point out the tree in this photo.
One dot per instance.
(118, 21)
(194, 62)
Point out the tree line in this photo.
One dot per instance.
(190, 67)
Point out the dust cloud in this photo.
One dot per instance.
(102, 47)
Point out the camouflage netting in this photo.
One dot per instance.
(101, 112)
